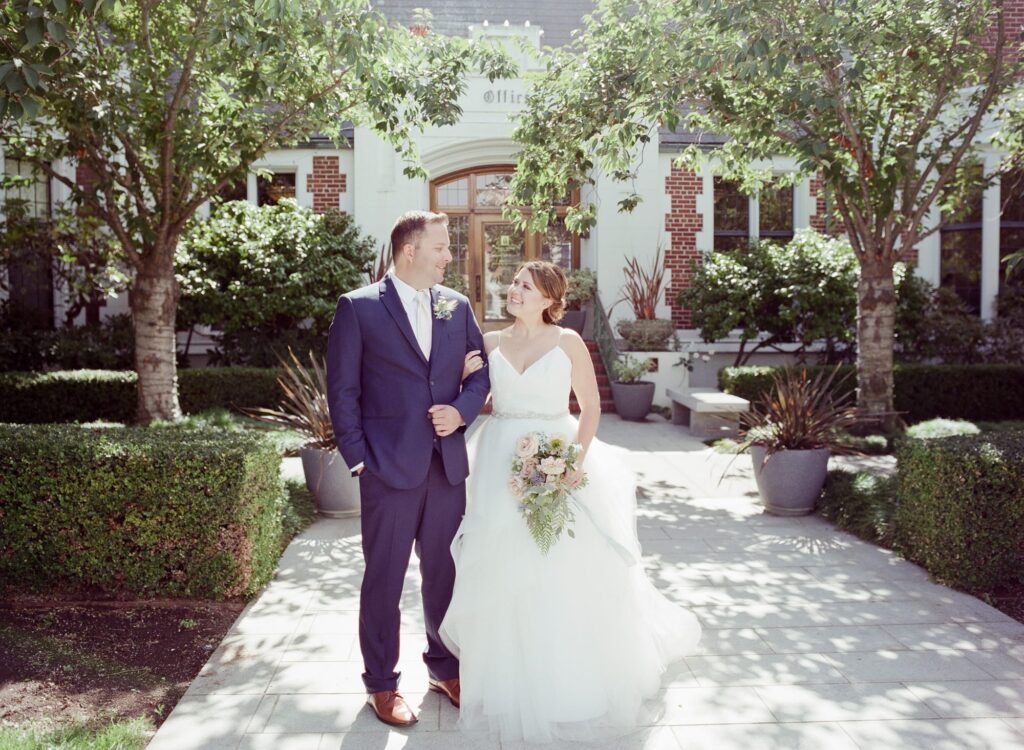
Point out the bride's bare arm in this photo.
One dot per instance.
(584, 385)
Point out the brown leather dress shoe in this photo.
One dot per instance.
(447, 687)
(391, 708)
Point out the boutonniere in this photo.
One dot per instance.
(444, 307)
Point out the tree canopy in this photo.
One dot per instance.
(161, 103)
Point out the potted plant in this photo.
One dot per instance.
(643, 290)
(304, 409)
(582, 283)
(791, 432)
(633, 396)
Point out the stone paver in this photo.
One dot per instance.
(813, 638)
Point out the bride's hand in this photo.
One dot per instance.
(473, 363)
(574, 478)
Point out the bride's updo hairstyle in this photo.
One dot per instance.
(550, 281)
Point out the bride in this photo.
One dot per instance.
(567, 644)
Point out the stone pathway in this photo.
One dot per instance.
(813, 639)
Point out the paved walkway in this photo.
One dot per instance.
(813, 639)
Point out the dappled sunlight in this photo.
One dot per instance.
(804, 627)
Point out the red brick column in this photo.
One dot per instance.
(682, 222)
(817, 189)
(326, 183)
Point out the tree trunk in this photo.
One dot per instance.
(876, 323)
(154, 303)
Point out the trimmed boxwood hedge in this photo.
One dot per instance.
(974, 392)
(110, 396)
(135, 512)
(960, 509)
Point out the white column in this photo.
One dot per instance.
(990, 243)
(929, 250)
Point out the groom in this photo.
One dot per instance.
(399, 410)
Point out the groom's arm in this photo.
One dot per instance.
(344, 365)
(474, 388)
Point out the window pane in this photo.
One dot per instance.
(234, 191)
(776, 213)
(504, 250)
(732, 208)
(454, 194)
(557, 245)
(1011, 233)
(492, 189)
(457, 274)
(26, 187)
(1012, 197)
(731, 216)
(960, 254)
(726, 242)
(29, 276)
(961, 265)
(280, 185)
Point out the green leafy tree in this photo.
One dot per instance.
(263, 276)
(164, 102)
(883, 99)
(801, 293)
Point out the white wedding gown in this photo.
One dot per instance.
(570, 644)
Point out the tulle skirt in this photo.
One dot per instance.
(565, 645)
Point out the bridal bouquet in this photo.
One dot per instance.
(543, 477)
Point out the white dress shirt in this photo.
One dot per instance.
(411, 301)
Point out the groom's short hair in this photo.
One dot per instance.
(409, 227)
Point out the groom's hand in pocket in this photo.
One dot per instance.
(446, 419)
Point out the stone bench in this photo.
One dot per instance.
(707, 411)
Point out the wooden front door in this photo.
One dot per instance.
(486, 248)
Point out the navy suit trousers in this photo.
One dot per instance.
(393, 522)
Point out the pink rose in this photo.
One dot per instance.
(515, 486)
(527, 445)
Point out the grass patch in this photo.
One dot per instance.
(299, 510)
(724, 445)
(130, 734)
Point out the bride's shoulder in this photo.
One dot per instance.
(571, 342)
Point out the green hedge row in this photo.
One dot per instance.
(974, 392)
(134, 512)
(107, 395)
(960, 508)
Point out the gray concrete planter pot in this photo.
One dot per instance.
(332, 484)
(633, 400)
(790, 481)
(574, 319)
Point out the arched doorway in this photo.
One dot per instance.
(487, 249)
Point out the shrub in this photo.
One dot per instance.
(67, 396)
(204, 388)
(802, 292)
(90, 395)
(107, 346)
(134, 512)
(268, 277)
(938, 428)
(862, 503)
(960, 512)
(973, 392)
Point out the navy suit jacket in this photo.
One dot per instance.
(380, 386)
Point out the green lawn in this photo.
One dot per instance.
(119, 735)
